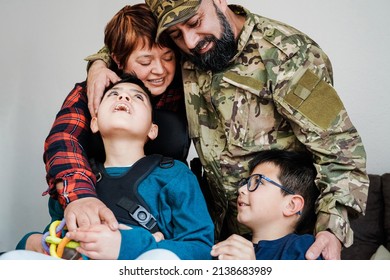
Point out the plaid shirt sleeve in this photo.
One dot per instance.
(65, 157)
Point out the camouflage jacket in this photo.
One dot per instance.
(276, 93)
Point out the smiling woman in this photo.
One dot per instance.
(155, 67)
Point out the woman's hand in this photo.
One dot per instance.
(99, 78)
(235, 247)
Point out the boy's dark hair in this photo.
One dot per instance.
(297, 173)
(132, 79)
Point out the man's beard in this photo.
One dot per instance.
(217, 58)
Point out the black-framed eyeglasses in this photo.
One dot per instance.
(255, 180)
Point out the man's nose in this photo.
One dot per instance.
(191, 39)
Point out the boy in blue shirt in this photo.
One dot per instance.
(277, 204)
(172, 193)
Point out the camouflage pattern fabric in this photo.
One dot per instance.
(102, 54)
(171, 12)
(277, 93)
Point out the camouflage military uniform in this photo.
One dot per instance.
(276, 93)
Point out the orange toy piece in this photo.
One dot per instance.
(54, 245)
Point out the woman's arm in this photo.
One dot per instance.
(69, 174)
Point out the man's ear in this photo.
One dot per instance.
(294, 205)
(116, 60)
(153, 132)
(94, 125)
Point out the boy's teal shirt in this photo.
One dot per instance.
(176, 201)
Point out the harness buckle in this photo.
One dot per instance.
(143, 217)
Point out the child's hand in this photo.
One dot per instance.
(97, 242)
(158, 236)
(235, 247)
(33, 243)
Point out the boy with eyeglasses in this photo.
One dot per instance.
(277, 204)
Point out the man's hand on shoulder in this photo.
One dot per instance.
(327, 244)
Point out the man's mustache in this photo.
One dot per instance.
(201, 43)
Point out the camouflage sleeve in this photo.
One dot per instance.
(305, 96)
(102, 54)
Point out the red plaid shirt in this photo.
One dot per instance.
(65, 155)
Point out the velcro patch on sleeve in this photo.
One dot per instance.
(315, 99)
(247, 83)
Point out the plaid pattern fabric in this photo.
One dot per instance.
(65, 158)
(172, 100)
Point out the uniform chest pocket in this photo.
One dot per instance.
(252, 112)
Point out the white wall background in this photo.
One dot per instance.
(43, 43)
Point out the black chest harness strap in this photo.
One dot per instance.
(120, 194)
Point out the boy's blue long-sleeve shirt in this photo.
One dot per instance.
(176, 201)
(290, 247)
